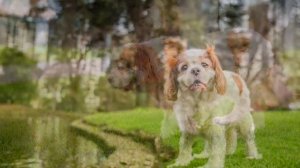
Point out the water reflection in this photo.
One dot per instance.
(44, 141)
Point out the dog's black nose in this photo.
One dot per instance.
(195, 71)
(197, 82)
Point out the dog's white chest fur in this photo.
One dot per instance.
(202, 108)
(206, 111)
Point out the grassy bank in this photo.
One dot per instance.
(277, 137)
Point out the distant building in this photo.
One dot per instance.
(23, 24)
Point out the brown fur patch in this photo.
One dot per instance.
(175, 43)
(173, 47)
(172, 62)
(238, 44)
(238, 81)
(145, 59)
(220, 78)
(147, 62)
(128, 54)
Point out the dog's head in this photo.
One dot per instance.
(122, 72)
(121, 75)
(195, 70)
(138, 64)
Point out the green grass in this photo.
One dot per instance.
(147, 120)
(277, 136)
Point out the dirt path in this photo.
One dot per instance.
(128, 153)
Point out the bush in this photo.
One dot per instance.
(291, 64)
(16, 80)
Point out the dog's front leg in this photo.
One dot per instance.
(185, 150)
(185, 118)
(218, 147)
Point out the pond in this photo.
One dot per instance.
(40, 140)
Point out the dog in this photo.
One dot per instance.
(208, 102)
(138, 64)
(139, 67)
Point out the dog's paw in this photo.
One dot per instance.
(220, 121)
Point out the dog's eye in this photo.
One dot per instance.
(184, 67)
(205, 65)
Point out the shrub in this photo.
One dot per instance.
(16, 81)
(291, 64)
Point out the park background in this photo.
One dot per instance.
(54, 55)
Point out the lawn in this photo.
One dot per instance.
(277, 136)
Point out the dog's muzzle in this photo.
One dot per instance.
(198, 86)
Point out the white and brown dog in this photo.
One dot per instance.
(209, 102)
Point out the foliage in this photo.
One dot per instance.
(17, 84)
(109, 15)
(73, 91)
(13, 57)
(73, 99)
(62, 93)
(283, 139)
(64, 89)
(291, 64)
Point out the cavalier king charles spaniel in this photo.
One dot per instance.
(208, 102)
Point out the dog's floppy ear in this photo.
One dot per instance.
(145, 60)
(220, 77)
(173, 47)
